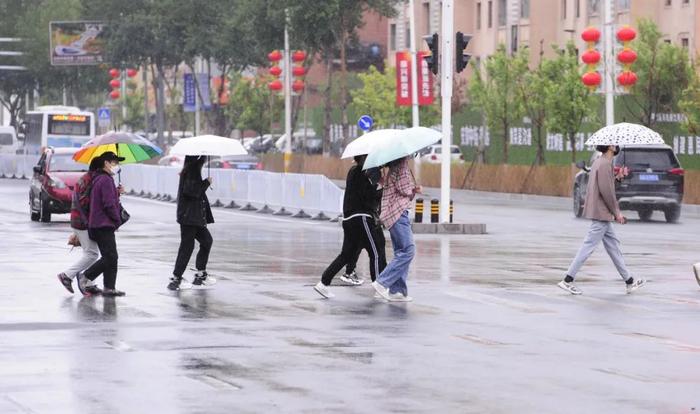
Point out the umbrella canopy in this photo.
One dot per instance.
(133, 148)
(625, 134)
(363, 145)
(208, 145)
(403, 144)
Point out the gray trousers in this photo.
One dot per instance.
(600, 231)
(90, 255)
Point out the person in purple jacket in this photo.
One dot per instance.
(104, 219)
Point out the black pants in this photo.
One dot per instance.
(359, 233)
(188, 234)
(109, 260)
(352, 264)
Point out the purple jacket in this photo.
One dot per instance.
(104, 203)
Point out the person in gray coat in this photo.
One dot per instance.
(602, 208)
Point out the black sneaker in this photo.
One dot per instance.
(203, 279)
(66, 282)
(82, 282)
(111, 293)
(178, 283)
(93, 290)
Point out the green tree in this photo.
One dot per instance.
(495, 92)
(253, 106)
(377, 97)
(531, 90)
(690, 105)
(664, 72)
(569, 102)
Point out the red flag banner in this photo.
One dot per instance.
(403, 78)
(425, 80)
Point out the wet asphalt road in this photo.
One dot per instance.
(488, 332)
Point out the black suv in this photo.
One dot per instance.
(654, 181)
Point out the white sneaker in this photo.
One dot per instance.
(381, 290)
(696, 269)
(399, 297)
(635, 285)
(185, 284)
(569, 287)
(323, 290)
(378, 296)
(352, 279)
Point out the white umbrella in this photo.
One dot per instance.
(363, 145)
(208, 145)
(403, 144)
(625, 134)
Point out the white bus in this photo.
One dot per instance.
(58, 127)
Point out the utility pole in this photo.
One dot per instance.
(287, 96)
(145, 98)
(414, 63)
(447, 64)
(122, 74)
(195, 79)
(609, 66)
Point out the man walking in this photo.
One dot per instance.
(602, 208)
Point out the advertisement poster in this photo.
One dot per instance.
(403, 78)
(76, 43)
(425, 80)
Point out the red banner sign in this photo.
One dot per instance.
(403, 79)
(425, 80)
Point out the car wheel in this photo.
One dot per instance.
(645, 215)
(33, 215)
(45, 212)
(673, 214)
(578, 204)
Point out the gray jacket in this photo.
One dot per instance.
(601, 201)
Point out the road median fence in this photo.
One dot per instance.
(303, 195)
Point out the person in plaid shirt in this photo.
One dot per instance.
(78, 222)
(399, 189)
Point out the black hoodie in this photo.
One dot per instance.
(361, 195)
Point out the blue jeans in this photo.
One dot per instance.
(395, 274)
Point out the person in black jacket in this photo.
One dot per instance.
(193, 215)
(361, 227)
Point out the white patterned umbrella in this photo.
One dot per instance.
(625, 134)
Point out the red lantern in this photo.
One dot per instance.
(131, 72)
(275, 85)
(627, 78)
(299, 56)
(114, 73)
(274, 56)
(591, 35)
(114, 83)
(591, 79)
(591, 57)
(626, 34)
(114, 94)
(275, 71)
(298, 85)
(627, 56)
(299, 71)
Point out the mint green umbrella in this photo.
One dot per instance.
(405, 143)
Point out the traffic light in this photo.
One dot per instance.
(461, 58)
(432, 60)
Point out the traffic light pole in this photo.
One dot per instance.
(447, 64)
(414, 64)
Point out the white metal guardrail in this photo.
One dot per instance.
(265, 191)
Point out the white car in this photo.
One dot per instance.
(433, 154)
(8, 140)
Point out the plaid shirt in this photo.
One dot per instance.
(398, 193)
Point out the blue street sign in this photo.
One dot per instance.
(365, 122)
(104, 117)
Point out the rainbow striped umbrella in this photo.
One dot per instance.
(133, 148)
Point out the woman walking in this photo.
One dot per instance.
(361, 229)
(80, 208)
(399, 190)
(193, 215)
(103, 221)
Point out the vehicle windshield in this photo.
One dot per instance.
(65, 163)
(5, 139)
(656, 159)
